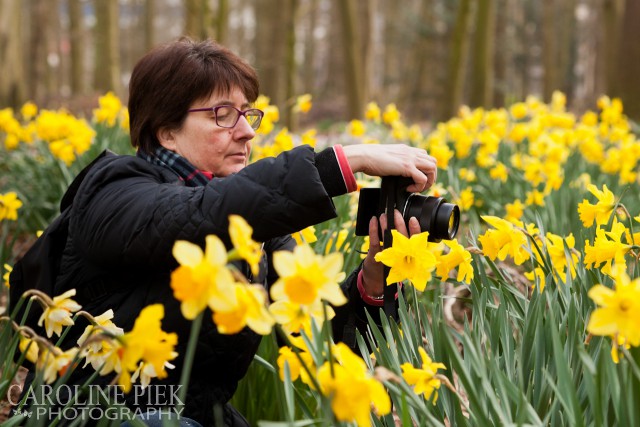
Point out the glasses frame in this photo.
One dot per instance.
(241, 113)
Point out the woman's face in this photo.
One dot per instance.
(209, 147)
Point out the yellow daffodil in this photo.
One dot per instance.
(146, 342)
(296, 317)
(7, 272)
(601, 211)
(29, 110)
(356, 128)
(53, 362)
(339, 237)
(99, 352)
(250, 310)
(607, 248)
(468, 175)
(618, 341)
(240, 232)
(58, 313)
(271, 115)
(146, 372)
(618, 312)
(303, 103)
(519, 110)
(409, 258)
(351, 388)
(466, 199)
(423, 379)
(307, 235)
(537, 276)
(535, 197)
(202, 278)
(441, 151)
(9, 205)
(499, 172)
(504, 240)
(283, 141)
(296, 370)
(372, 112)
(30, 347)
(457, 257)
(109, 111)
(306, 276)
(68, 136)
(556, 249)
(515, 210)
(391, 114)
(309, 137)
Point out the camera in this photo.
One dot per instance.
(435, 215)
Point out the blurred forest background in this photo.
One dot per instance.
(427, 56)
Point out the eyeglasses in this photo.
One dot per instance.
(227, 116)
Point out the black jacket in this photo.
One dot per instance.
(128, 213)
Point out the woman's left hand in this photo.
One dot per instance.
(372, 270)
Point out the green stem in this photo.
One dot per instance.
(327, 336)
(296, 351)
(188, 358)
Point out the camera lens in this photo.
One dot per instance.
(435, 215)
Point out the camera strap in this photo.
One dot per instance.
(389, 290)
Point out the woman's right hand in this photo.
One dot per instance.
(394, 160)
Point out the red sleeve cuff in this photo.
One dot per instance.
(347, 173)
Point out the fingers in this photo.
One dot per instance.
(425, 172)
(398, 224)
(374, 239)
(414, 226)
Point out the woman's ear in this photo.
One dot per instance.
(166, 138)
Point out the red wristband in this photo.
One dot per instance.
(347, 174)
(363, 294)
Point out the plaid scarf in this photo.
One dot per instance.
(191, 176)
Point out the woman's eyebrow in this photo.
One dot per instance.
(229, 102)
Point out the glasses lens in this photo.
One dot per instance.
(226, 116)
(254, 117)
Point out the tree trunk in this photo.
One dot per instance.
(76, 37)
(206, 25)
(353, 61)
(149, 18)
(503, 51)
(420, 53)
(567, 47)
(629, 60)
(612, 18)
(270, 49)
(310, 49)
(291, 14)
(365, 11)
(550, 48)
(37, 53)
(390, 60)
(457, 61)
(53, 53)
(192, 18)
(222, 21)
(482, 76)
(12, 83)
(107, 67)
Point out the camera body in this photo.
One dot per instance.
(435, 215)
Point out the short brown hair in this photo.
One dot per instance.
(171, 77)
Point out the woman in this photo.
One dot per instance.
(192, 123)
